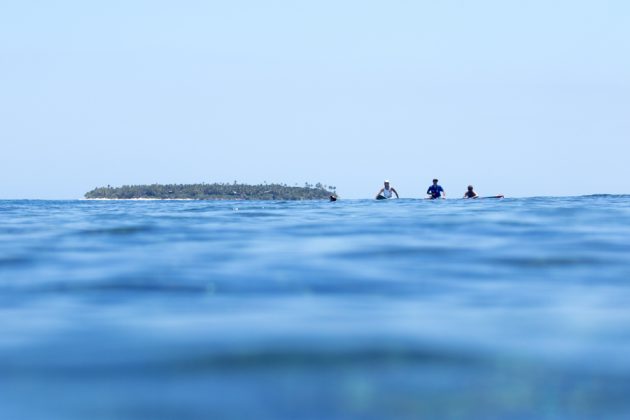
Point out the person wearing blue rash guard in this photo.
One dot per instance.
(436, 191)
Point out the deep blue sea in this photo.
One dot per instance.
(514, 308)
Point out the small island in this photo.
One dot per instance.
(216, 191)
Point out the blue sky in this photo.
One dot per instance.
(516, 97)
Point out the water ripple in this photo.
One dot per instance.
(514, 308)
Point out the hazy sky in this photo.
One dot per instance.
(518, 97)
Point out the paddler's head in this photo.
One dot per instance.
(435, 181)
(386, 182)
(470, 188)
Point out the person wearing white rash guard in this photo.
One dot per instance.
(386, 191)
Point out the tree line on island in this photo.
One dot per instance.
(216, 191)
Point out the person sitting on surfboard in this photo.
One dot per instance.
(436, 191)
(386, 191)
(470, 193)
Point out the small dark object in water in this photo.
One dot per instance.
(333, 198)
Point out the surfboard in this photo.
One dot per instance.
(479, 197)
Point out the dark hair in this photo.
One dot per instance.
(435, 180)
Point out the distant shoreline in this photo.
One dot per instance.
(193, 199)
(216, 191)
(142, 199)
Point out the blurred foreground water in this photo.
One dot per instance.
(514, 308)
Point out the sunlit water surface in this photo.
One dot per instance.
(513, 308)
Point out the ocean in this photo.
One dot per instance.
(513, 308)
